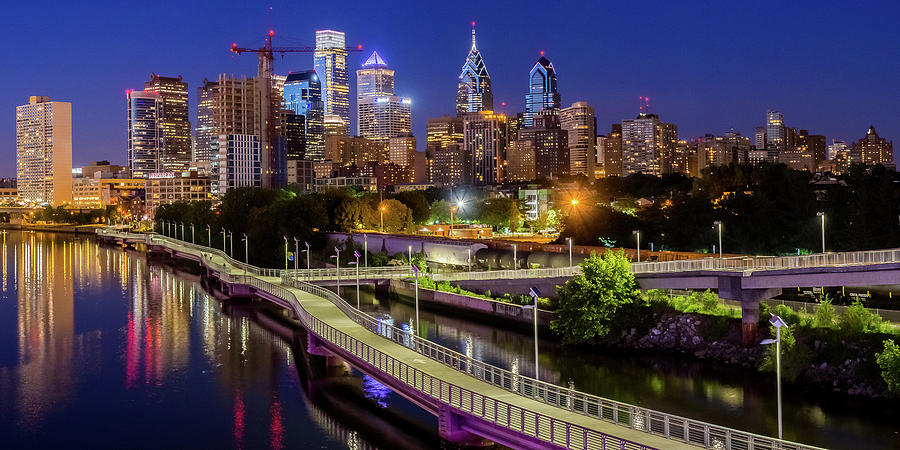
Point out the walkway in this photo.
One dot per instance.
(471, 399)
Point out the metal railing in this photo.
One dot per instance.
(508, 274)
(547, 428)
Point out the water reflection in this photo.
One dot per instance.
(101, 348)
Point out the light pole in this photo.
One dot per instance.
(570, 251)
(822, 215)
(534, 292)
(775, 320)
(381, 208)
(637, 234)
(285, 252)
(452, 210)
(182, 231)
(307, 257)
(366, 250)
(192, 234)
(409, 249)
(515, 257)
(223, 240)
(469, 258)
(356, 254)
(231, 243)
(296, 253)
(337, 264)
(246, 249)
(208, 236)
(416, 273)
(718, 223)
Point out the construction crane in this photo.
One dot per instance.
(269, 106)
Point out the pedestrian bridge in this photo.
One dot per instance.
(473, 401)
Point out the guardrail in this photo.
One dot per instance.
(547, 428)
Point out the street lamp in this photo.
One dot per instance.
(453, 209)
(381, 208)
(356, 254)
(534, 292)
(409, 249)
(208, 236)
(366, 250)
(307, 257)
(231, 243)
(182, 231)
(223, 239)
(570, 251)
(246, 249)
(775, 320)
(469, 258)
(415, 270)
(822, 215)
(296, 253)
(637, 234)
(718, 223)
(192, 234)
(337, 262)
(285, 252)
(515, 257)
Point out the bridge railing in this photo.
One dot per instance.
(542, 426)
(642, 419)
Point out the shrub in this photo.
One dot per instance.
(709, 302)
(788, 315)
(889, 362)
(825, 316)
(858, 319)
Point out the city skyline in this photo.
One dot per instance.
(822, 91)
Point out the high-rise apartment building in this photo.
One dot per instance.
(174, 121)
(473, 93)
(612, 159)
(443, 164)
(44, 151)
(358, 154)
(384, 117)
(551, 146)
(837, 147)
(145, 135)
(402, 151)
(240, 161)
(520, 161)
(484, 137)
(579, 122)
(869, 150)
(600, 156)
(759, 138)
(647, 145)
(450, 166)
(814, 144)
(303, 95)
(775, 134)
(333, 125)
(330, 61)
(542, 97)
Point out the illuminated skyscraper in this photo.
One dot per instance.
(551, 146)
(473, 93)
(542, 97)
(775, 134)
(579, 122)
(485, 140)
(145, 135)
(44, 151)
(303, 95)
(374, 78)
(384, 117)
(647, 145)
(174, 121)
(612, 156)
(331, 66)
(872, 149)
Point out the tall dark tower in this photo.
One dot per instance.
(542, 97)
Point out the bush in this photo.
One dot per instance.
(709, 302)
(889, 362)
(858, 319)
(793, 358)
(824, 316)
(590, 302)
(788, 315)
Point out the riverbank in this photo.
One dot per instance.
(52, 228)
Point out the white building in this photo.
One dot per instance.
(239, 162)
(384, 117)
(44, 151)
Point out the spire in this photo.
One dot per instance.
(473, 36)
(375, 60)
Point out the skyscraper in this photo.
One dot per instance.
(775, 134)
(542, 97)
(612, 158)
(145, 135)
(473, 93)
(485, 140)
(374, 79)
(44, 151)
(579, 122)
(384, 117)
(240, 162)
(174, 121)
(331, 66)
(445, 162)
(647, 143)
(303, 95)
(872, 149)
(551, 146)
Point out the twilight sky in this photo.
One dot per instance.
(830, 67)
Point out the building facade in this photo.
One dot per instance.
(174, 121)
(551, 146)
(473, 92)
(647, 145)
(612, 158)
(145, 136)
(239, 162)
(374, 79)
(871, 150)
(520, 162)
(402, 151)
(170, 187)
(303, 96)
(44, 151)
(385, 117)
(484, 135)
(542, 97)
(579, 122)
(330, 61)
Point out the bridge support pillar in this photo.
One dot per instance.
(730, 288)
(314, 345)
(450, 428)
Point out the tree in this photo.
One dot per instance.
(417, 203)
(590, 302)
(500, 213)
(889, 362)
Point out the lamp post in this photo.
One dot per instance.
(231, 243)
(534, 292)
(356, 254)
(415, 270)
(452, 210)
(775, 320)
(307, 257)
(285, 252)
(381, 209)
(296, 253)
(366, 250)
(822, 215)
(570, 251)
(223, 239)
(409, 249)
(337, 263)
(208, 236)
(192, 234)
(515, 257)
(637, 234)
(469, 258)
(182, 231)
(718, 223)
(246, 249)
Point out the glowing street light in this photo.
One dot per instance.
(208, 236)
(775, 320)
(285, 252)
(822, 215)
(382, 209)
(223, 239)
(534, 292)
(637, 235)
(356, 254)
(718, 223)
(415, 270)
(453, 209)
(337, 264)
(246, 249)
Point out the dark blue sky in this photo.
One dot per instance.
(830, 67)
